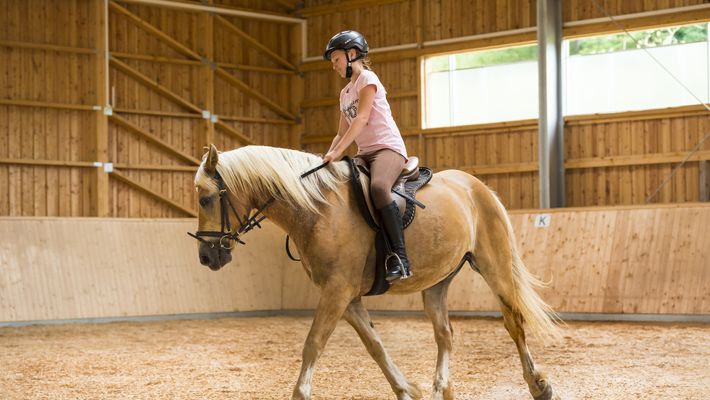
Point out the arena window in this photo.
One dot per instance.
(601, 74)
(480, 87)
(612, 73)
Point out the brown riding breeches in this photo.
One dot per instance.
(385, 167)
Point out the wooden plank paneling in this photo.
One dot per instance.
(647, 260)
(48, 48)
(704, 181)
(36, 134)
(376, 21)
(608, 260)
(51, 52)
(132, 268)
(577, 10)
(611, 160)
(650, 147)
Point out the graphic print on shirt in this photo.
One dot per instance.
(351, 110)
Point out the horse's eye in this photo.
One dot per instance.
(204, 201)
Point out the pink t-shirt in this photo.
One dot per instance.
(381, 131)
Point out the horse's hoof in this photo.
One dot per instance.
(546, 393)
(412, 393)
(446, 394)
(449, 393)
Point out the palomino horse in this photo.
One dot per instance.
(464, 221)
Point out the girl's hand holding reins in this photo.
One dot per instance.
(330, 156)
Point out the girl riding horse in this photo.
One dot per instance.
(366, 119)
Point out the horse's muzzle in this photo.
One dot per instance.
(214, 256)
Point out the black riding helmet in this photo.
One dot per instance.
(346, 40)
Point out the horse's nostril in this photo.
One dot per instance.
(204, 260)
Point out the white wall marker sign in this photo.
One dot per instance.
(542, 220)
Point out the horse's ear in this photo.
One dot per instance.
(211, 162)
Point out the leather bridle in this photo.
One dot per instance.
(250, 221)
(226, 234)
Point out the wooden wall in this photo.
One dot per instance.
(67, 268)
(166, 67)
(169, 65)
(641, 260)
(60, 75)
(614, 159)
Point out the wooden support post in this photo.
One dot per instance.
(551, 122)
(419, 27)
(206, 50)
(420, 89)
(297, 89)
(97, 189)
(704, 178)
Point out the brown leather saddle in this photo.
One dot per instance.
(412, 178)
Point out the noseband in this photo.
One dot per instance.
(251, 221)
(226, 234)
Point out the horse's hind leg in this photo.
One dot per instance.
(436, 309)
(359, 318)
(537, 382)
(501, 282)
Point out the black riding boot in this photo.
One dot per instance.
(397, 266)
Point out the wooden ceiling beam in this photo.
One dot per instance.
(148, 27)
(343, 7)
(153, 139)
(289, 4)
(233, 132)
(46, 46)
(245, 13)
(164, 199)
(231, 27)
(128, 70)
(239, 84)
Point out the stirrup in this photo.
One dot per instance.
(400, 273)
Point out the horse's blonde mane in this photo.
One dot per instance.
(269, 171)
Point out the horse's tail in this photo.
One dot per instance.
(539, 316)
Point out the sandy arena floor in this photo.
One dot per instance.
(259, 358)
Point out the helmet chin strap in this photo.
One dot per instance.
(349, 68)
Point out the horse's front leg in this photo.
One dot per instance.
(359, 318)
(333, 301)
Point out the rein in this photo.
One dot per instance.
(250, 221)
